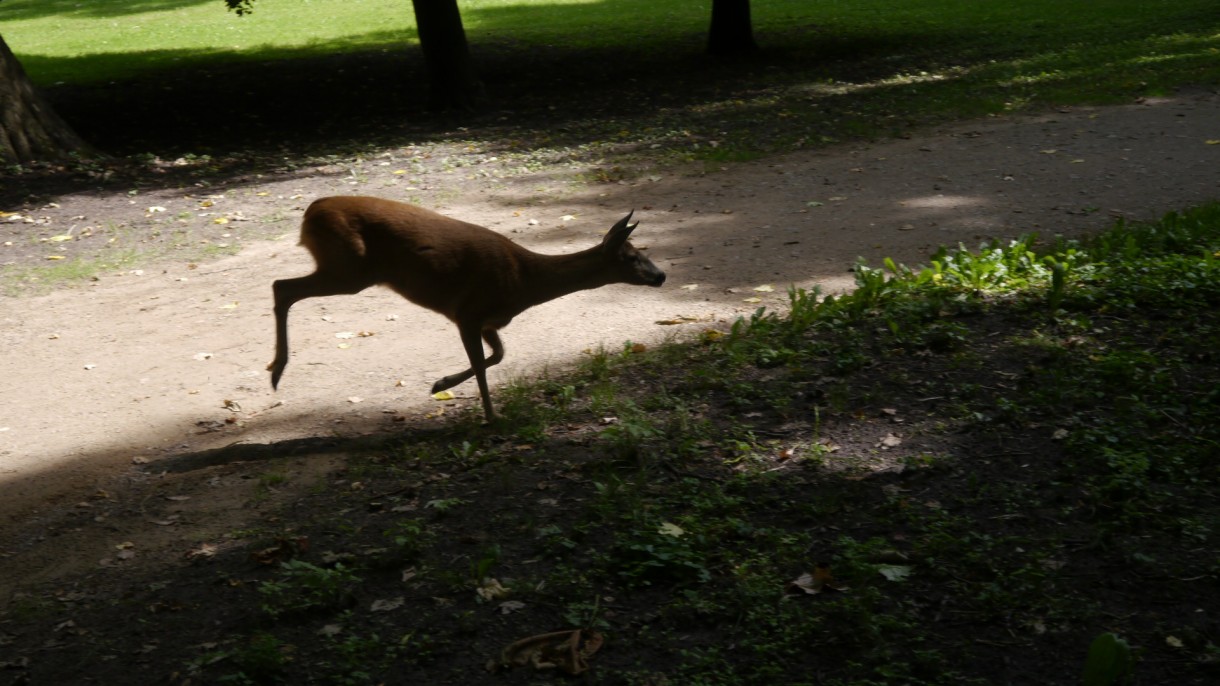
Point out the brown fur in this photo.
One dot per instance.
(477, 278)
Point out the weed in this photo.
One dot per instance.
(261, 659)
(409, 538)
(304, 587)
(444, 506)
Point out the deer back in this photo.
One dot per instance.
(432, 260)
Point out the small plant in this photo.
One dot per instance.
(1109, 662)
(304, 587)
(409, 538)
(443, 506)
(628, 437)
(664, 555)
(586, 615)
(263, 658)
(480, 569)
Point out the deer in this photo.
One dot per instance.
(475, 277)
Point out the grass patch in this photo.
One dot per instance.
(44, 278)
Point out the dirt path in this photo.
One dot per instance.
(172, 360)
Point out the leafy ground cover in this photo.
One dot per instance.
(586, 81)
(968, 473)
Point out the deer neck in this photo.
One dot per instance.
(554, 276)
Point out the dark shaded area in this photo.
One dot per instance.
(281, 104)
(280, 111)
(969, 482)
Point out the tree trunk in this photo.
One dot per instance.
(731, 32)
(452, 80)
(29, 129)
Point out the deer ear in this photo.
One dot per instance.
(618, 234)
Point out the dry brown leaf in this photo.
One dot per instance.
(813, 583)
(568, 651)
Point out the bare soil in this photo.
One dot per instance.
(160, 362)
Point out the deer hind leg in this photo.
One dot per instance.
(288, 291)
(472, 341)
(497, 353)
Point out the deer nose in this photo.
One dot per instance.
(658, 279)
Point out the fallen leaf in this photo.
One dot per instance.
(890, 441)
(285, 549)
(443, 395)
(567, 651)
(765, 288)
(491, 589)
(345, 334)
(203, 356)
(511, 606)
(671, 529)
(388, 604)
(895, 572)
(813, 583)
(751, 300)
(205, 550)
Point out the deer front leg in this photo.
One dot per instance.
(497, 354)
(288, 291)
(285, 295)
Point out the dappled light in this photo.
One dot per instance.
(938, 201)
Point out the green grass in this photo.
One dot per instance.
(830, 71)
(43, 278)
(1046, 46)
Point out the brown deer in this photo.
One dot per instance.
(477, 278)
